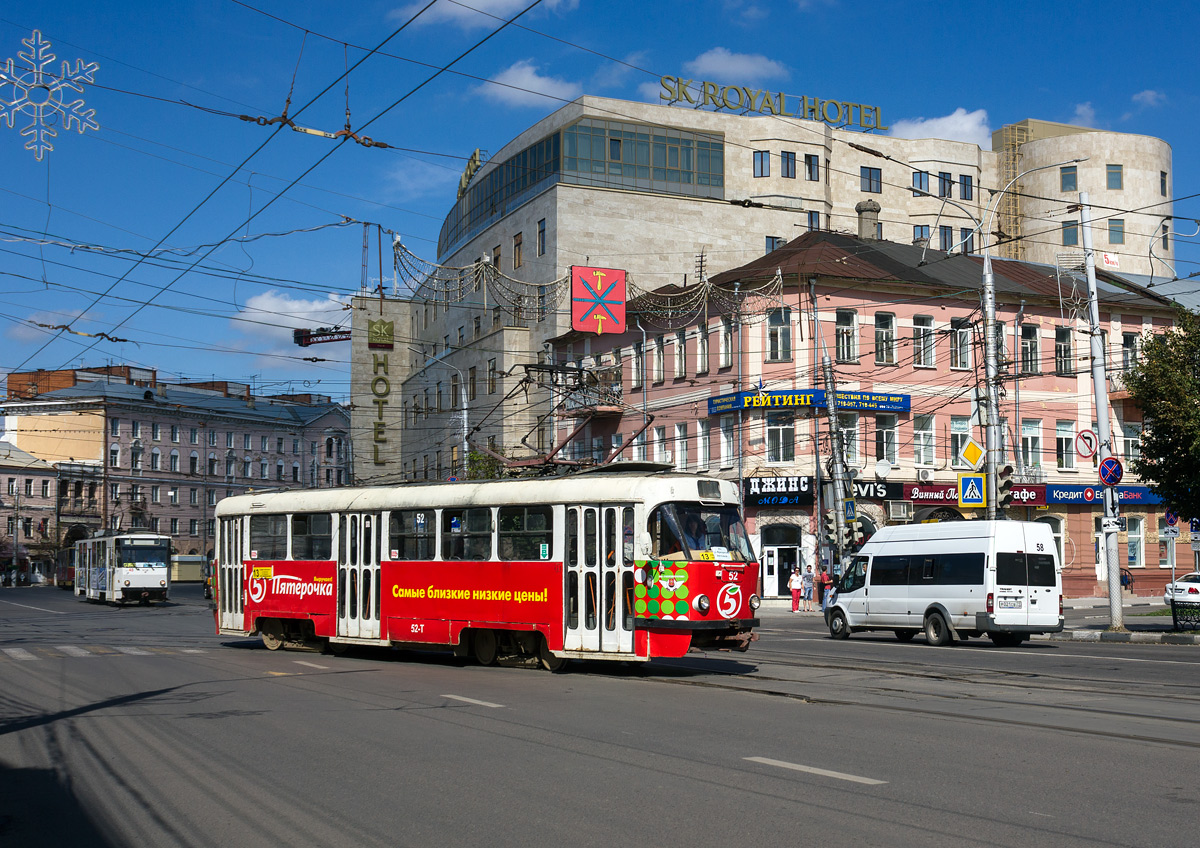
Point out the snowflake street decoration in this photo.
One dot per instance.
(41, 95)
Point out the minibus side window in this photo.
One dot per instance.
(855, 577)
(889, 571)
(960, 569)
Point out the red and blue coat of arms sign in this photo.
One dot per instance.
(597, 300)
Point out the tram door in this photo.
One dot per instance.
(231, 574)
(358, 576)
(599, 575)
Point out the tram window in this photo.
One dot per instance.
(627, 534)
(589, 601)
(370, 547)
(572, 536)
(353, 604)
(524, 532)
(411, 534)
(610, 536)
(268, 536)
(366, 595)
(589, 535)
(665, 544)
(572, 600)
(467, 534)
(352, 540)
(610, 600)
(312, 536)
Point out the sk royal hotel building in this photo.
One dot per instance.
(759, 231)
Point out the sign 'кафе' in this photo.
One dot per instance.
(739, 98)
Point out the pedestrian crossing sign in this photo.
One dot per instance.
(972, 490)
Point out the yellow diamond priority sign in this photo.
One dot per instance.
(973, 453)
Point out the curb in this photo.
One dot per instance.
(1105, 636)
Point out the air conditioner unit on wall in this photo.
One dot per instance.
(899, 510)
(925, 475)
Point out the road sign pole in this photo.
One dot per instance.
(1116, 613)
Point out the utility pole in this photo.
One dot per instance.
(839, 467)
(1108, 523)
(991, 384)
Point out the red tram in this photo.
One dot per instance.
(610, 564)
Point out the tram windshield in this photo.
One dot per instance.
(688, 531)
(138, 554)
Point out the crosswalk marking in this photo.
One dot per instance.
(137, 652)
(19, 654)
(74, 651)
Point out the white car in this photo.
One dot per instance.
(1186, 588)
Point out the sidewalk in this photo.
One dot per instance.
(1142, 629)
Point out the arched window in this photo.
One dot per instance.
(174, 460)
(155, 459)
(194, 463)
(1056, 527)
(114, 456)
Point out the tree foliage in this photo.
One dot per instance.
(1165, 383)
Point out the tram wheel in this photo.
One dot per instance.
(549, 661)
(483, 646)
(271, 637)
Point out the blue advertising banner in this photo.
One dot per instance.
(811, 398)
(1095, 494)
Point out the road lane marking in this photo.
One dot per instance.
(473, 701)
(27, 606)
(311, 665)
(192, 651)
(137, 652)
(20, 654)
(74, 651)
(854, 778)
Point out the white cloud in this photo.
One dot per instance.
(522, 85)
(960, 125)
(473, 14)
(1085, 115)
(276, 314)
(721, 65)
(1149, 98)
(412, 179)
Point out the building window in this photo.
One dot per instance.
(726, 342)
(966, 237)
(920, 233)
(1064, 444)
(966, 187)
(1162, 189)
(212, 439)
(1131, 436)
(787, 165)
(1030, 359)
(781, 436)
(1067, 178)
(920, 181)
(1115, 177)
(871, 179)
(814, 221)
(114, 427)
(846, 336)
(1063, 364)
(517, 260)
(702, 444)
(491, 376)
(945, 238)
(762, 163)
(1031, 443)
(923, 440)
(114, 457)
(885, 338)
(779, 335)
(775, 242)
(702, 348)
(1129, 350)
(1070, 233)
(886, 436)
(1166, 236)
(923, 348)
(658, 363)
(1136, 551)
(681, 447)
(945, 184)
(680, 354)
(660, 444)
(960, 346)
(155, 458)
(541, 237)
(1116, 230)
(727, 443)
(812, 169)
(495, 258)
(960, 432)
(175, 433)
(848, 424)
(636, 366)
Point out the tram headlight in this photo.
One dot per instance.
(755, 601)
(162, 583)
(701, 604)
(126, 582)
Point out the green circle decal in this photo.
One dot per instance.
(639, 605)
(668, 607)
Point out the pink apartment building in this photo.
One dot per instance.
(726, 377)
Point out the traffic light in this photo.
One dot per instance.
(858, 531)
(1004, 484)
(830, 528)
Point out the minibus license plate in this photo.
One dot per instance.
(1010, 603)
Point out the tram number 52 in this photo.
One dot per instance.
(418, 628)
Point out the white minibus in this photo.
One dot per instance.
(952, 579)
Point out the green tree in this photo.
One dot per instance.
(1165, 383)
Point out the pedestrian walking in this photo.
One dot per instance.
(796, 584)
(806, 589)
(823, 583)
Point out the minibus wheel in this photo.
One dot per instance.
(838, 629)
(937, 633)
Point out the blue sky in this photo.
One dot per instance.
(174, 167)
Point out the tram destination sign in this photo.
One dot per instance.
(807, 399)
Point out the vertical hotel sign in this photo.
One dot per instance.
(597, 300)
(380, 337)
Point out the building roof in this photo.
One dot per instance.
(171, 397)
(12, 457)
(833, 255)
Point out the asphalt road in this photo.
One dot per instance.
(138, 726)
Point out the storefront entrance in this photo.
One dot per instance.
(781, 553)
